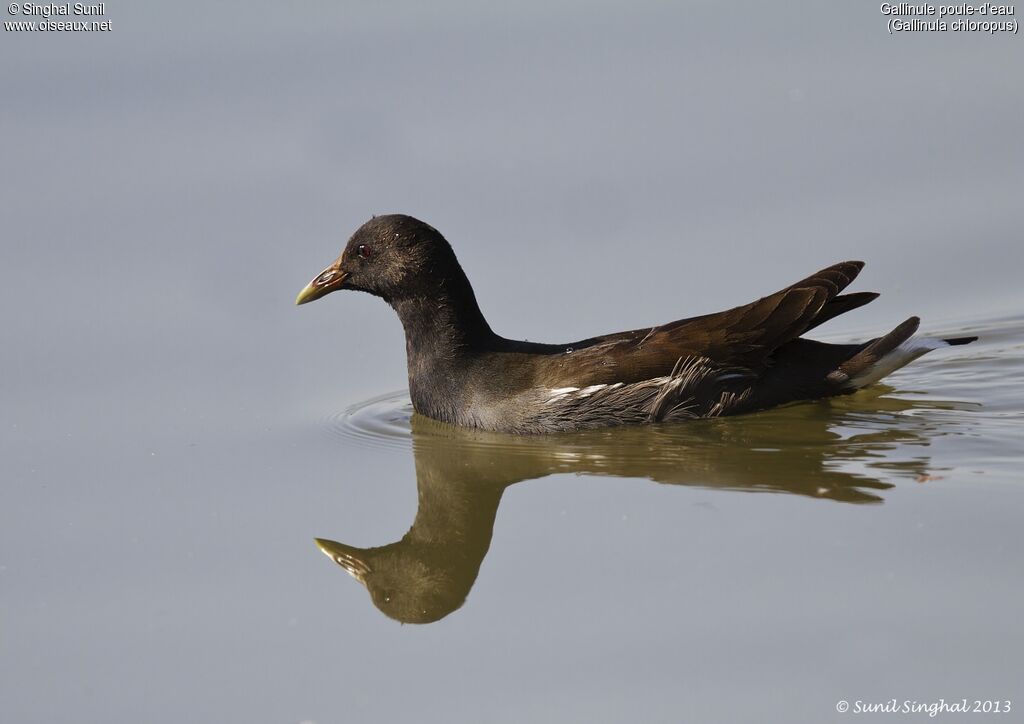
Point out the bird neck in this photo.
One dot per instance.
(443, 331)
(444, 322)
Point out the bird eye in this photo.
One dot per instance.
(363, 251)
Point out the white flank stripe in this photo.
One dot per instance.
(559, 391)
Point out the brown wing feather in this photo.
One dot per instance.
(742, 338)
(841, 305)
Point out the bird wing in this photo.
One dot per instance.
(740, 340)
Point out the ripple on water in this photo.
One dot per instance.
(381, 421)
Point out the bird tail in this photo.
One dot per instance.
(883, 356)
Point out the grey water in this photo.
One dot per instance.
(176, 434)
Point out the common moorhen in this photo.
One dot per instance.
(743, 359)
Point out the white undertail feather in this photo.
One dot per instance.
(902, 355)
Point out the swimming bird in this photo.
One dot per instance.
(744, 359)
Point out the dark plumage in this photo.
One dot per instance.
(743, 359)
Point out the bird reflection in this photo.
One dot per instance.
(842, 450)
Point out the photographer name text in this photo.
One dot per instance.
(47, 10)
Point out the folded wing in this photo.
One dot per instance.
(739, 341)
